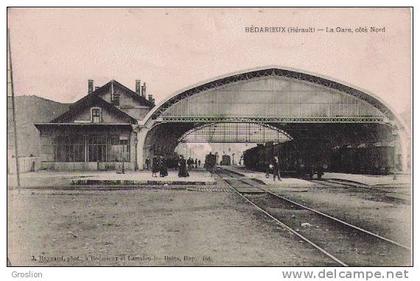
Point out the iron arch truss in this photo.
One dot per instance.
(308, 107)
(234, 133)
(272, 95)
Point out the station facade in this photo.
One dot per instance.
(113, 124)
(98, 132)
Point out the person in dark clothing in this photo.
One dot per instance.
(268, 168)
(199, 163)
(182, 167)
(195, 163)
(276, 168)
(147, 163)
(190, 163)
(163, 167)
(155, 166)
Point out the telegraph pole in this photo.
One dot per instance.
(395, 155)
(13, 109)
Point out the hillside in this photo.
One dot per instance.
(30, 110)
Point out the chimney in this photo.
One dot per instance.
(138, 87)
(151, 99)
(143, 90)
(90, 86)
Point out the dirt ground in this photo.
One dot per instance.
(146, 227)
(370, 209)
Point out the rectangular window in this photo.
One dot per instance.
(69, 149)
(113, 150)
(118, 149)
(96, 115)
(98, 148)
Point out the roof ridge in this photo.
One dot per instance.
(97, 92)
(133, 93)
(97, 98)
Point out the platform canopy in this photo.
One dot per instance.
(303, 107)
(272, 95)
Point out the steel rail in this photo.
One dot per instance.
(337, 220)
(286, 226)
(331, 217)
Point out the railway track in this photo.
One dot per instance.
(342, 242)
(389, 194)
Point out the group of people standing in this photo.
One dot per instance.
(185, 165)
(191, 163)
(159, 164)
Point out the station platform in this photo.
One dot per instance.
(108, 178)
(371, 180)
(403, 180)
(260, 176)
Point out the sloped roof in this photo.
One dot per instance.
(88, 101)
(95, 98)
(105, 88)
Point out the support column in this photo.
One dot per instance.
(133, 150)
(141, 140)
(136, 164)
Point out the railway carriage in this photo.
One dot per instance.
(364, 159)
(298, 159)
(309, 158)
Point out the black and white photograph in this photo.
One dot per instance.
(209, 137)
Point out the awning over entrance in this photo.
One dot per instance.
(82, 125)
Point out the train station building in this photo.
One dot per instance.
(113, 124)
(98, 132)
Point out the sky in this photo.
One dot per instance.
(55, 51)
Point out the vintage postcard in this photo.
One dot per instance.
(209, 137)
